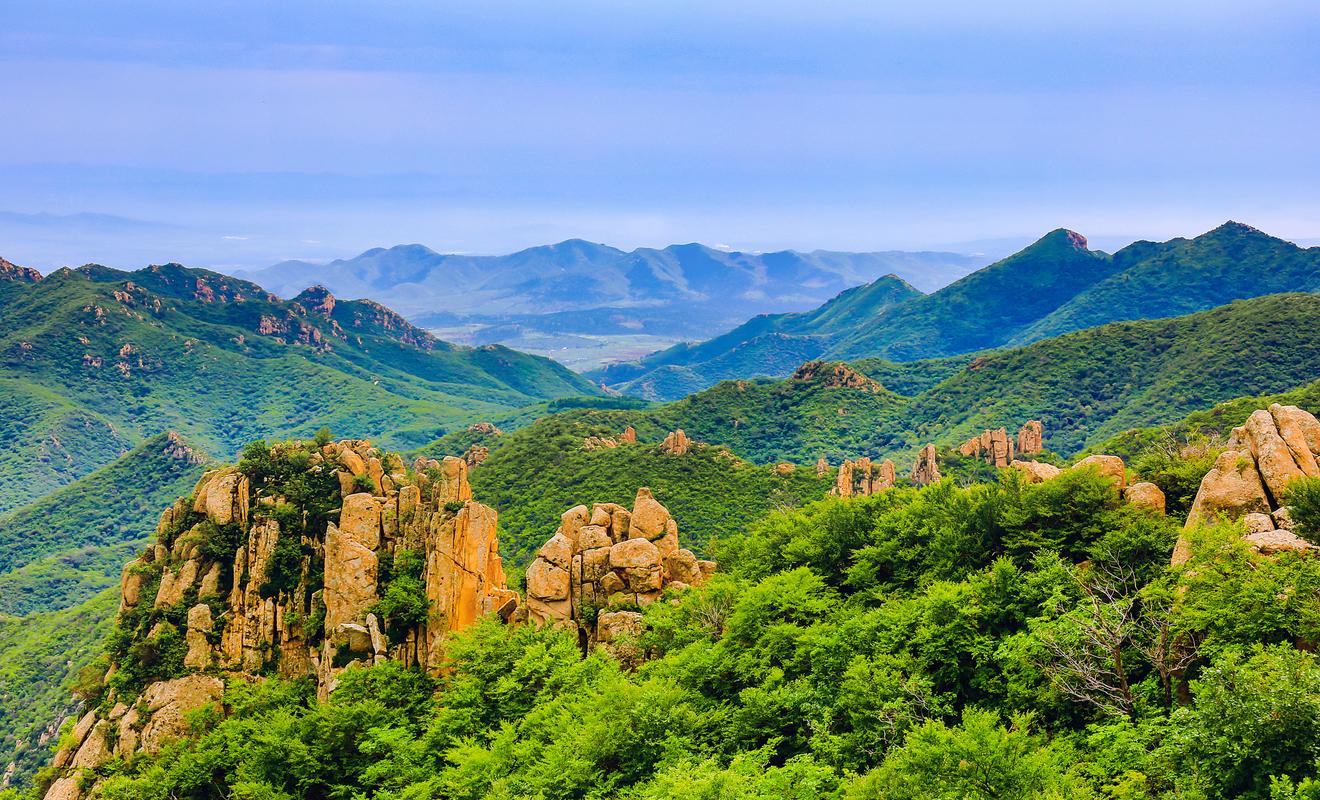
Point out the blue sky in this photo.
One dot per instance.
(238, 134)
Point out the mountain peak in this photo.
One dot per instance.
(316, 298)
(13, 272)
(1235, 228)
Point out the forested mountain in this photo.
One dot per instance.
(94, 360)
(1054, 286)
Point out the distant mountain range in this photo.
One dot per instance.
(676, 290)
(1054, 286)
(93, 361)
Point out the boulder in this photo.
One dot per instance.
(200, 626)
(170, 702)
(1301, 432)
(1258, 522)
(546, 581)
(1274, 460)
(634, 554)
(1277, 541)
(676, 443)
(1109, 466)
(614, 625)
(1145, 495)
(1036, 471)
(926, 470)
(1231, 489)
(359, 519)
(1031, 438)
(649, 518)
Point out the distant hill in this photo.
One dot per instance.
(673, 291)
(1054, 286)
(1085, 386)
(95, 360)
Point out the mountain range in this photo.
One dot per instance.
(1053, 286)
(95, 360)
(536, 298)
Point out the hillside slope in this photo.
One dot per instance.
(1055, 286)
(1085, 386)
(94, 360)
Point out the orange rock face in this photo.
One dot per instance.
(605, 558)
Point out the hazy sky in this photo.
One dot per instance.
(244, 133)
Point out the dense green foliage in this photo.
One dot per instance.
(95, 360)
(41, 655)
(115, 504)
(1086, 387)
(1054, 286)
(995, 641)
(537, 473)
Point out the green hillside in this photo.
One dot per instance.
(94, 360)
(769, 345)
(117, 503)
(41, 655)
(536, 473)
(1232, 262)
(1055, 286)
(1085, 387)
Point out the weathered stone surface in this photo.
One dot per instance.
(200, 626)
(558, 550)
(1031, 438)
(350, 577)
(1231, 489)
(1274, 460)
(1036, 471)
(1277, 541)
(649, 518)
(1111, 467)
(614, 625)
(65, 788)
(360, 519)
(169, 703)
(676, 443)
(635, 553)
(629, 434)
(926, 470)
(572, 520)
(545, 581)
(95, 749)
(1301, 433)
(1258, 522)
(1145, 495)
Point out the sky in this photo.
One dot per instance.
(234, 134)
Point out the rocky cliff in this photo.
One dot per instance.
(998, 448)
(1250, 479)
(301, 560)
(604, 564)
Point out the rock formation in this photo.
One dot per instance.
(602, 565)
(1036, 471)
(861, 477)
(258, 584)
(1031, 438)
(835, 375)
(1250, 478)
(676, 443)
(993, 447)
(926, 470)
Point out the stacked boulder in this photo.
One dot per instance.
(926, 470)
(1250, 479)
(1031, 438)
(997, 448)
(862, 477)
(676, 443)
(993, 447)
(603, 564)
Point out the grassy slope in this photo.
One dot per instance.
(95, 360)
